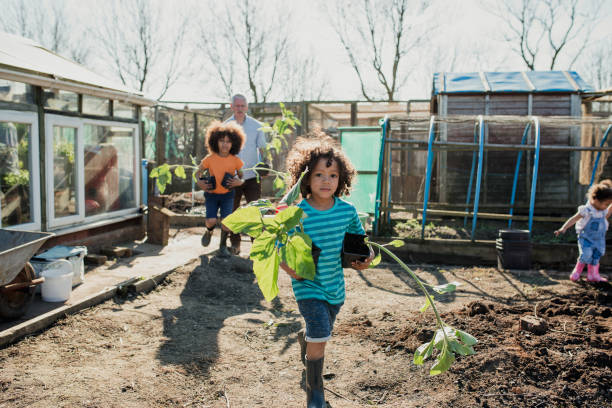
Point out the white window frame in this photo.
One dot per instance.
(52, 120)
(65, 121)
(30, 118)
(136, 164)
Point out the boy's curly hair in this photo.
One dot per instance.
(601, 191)
(217, 130)
(307, 151)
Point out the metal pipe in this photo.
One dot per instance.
(385, 127)
(478, 174)
(499, 147)
(432, 136)
(603, 140)
(536, 162)
(519, 156)
(469, 192)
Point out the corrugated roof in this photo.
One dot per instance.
(509, 82)
(20, 55)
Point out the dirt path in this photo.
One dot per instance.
(206, 338)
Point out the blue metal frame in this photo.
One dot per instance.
(603, 141)
(385, 129)
(469, 191)
(432, 136)
(519, 156)
(479, 172)
(536, 163)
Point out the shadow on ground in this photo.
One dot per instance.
(215, 290)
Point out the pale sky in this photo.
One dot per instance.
(466, 34)
(464, 26)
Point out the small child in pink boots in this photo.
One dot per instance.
(591, 225)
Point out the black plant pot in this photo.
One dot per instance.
(226, 179)
(210, 180)
(316, 251)
(354, 248)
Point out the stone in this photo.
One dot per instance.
(535, 325)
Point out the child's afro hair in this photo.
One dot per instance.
(601, 191)
(217, 130)
(307, 151)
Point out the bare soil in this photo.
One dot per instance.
(207, 338)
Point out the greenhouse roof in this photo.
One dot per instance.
(508, 82)
(24, 60)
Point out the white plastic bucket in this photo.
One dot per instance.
(58, 281)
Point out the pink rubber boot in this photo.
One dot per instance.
(593, 274)
(575, 276)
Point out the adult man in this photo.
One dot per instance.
(251, 154)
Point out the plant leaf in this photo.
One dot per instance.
(376, 261)
(245, 220)
(425, 306)
(446, 288)
(289, 218)
(297, 255)
(180, 172)
(439, 339)
(263, 246)
(294, 193)
(266, 271)
(466, 338)
(279, 183)
(423, 352)
(459, 348)
(443, 362)
(397, 243)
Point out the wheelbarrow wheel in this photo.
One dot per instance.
(14, 304)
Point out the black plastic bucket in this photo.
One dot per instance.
(513, 249)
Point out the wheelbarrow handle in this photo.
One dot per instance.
(16, 286)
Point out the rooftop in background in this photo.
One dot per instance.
(509, 82)
(24, 60)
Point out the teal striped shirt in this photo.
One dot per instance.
(326, 229)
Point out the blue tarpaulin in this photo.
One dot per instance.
(509, 82)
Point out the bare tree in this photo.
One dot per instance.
(48, 24)
(597, 65)
(302, 78)
(378, 36)
(544, 30)
(246, 44)
(143, 42)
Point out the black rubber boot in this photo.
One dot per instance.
(223, 251)
(315, 394)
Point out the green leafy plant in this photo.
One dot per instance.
(446, 339)
(19, 177)
(278, 131)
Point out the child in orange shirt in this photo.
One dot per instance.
(224, 141)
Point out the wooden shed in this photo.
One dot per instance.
(520, 94)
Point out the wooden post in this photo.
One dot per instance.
(158, 225)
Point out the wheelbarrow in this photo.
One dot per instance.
(17, 278)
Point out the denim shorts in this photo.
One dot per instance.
(319, 317)
(215, 202)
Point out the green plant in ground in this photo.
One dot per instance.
(446, 339)
(163, 173)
